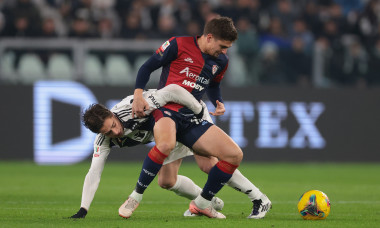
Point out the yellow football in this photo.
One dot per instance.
(314, 205)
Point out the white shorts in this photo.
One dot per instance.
(180, 151)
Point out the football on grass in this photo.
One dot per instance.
(314, 205)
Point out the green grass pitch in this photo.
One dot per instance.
(44, 196)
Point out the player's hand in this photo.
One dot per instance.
(219, 110)
(80, 214)
(139, 104)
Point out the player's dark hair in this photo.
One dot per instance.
(93, 117)
(222, 28)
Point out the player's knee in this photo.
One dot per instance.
(166, 183)
(165, 147)
(206, 167)
(239, 155)
(235, 157)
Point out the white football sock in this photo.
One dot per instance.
(185, 187)
(201, 202)
(242, 184)
(136, 196)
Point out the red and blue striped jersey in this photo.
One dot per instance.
(184, 64)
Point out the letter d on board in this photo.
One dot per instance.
(69, 151)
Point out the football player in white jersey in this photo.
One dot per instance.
(121, 130)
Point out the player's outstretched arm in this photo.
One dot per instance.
(92, 180)
(80, 214)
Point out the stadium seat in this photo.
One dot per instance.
(60, 67)
(31, 69)
(8, 73)
(93, 71)
(119, 71)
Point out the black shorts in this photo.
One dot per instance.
(189, 129)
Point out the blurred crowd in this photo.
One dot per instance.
(280, 41)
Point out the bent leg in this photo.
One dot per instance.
(169, 179)
(205, 163)
(165, 135)
(238, 181)
(164, 132)
(215, 142)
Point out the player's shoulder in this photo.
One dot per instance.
(176, 38)
(124, 104)
(183, 37)
(223, 57)
(222, 60)
(101, 140)
(170, 44)
(182, 40)
(173, 44)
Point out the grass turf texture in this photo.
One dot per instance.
(43, 196)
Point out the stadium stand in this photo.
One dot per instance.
(320, 32)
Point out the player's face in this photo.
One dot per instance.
(112, 128)
(217, 47)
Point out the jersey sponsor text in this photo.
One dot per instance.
(194, 76)
(193, 85)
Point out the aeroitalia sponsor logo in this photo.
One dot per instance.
(194, 76)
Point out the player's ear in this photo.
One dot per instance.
(209, 37)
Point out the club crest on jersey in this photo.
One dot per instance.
(164, 46)
(214, 69)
